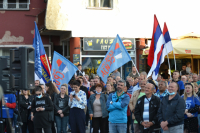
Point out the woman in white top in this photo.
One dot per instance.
(77, 103)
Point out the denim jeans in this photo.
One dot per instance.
(198, 123)
(68, 122)
(175, 129)
(117, 127)
(61, 124)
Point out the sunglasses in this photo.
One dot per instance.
(189, 84)
(38, 94)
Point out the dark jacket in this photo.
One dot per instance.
(83, 88)
(154, 105)
(172, 110)
(103, 100)
(24, 104)
(65, 108)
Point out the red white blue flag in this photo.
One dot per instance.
(42, 64)
(116, 57)
(168, 44)
(156, 49)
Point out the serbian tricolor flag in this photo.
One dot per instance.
(156, 49)
(168, 44)
(42, 68)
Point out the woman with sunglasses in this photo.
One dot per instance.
(61, 109)
(77, 103)
(41, 106)
(25, 100)
(191, 111)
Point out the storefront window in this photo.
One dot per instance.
(91, 64)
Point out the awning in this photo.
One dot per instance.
(184, 47)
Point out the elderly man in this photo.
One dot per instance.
(134, 73)
(131, 82)
(136, 95)
(117, 78)
(184, 79)
(171, 111)
(162, 92)
(146, 111)
(117, 104)
(195, 78)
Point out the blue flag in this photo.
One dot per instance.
(62, 69)
(116, 57)
(42, 69)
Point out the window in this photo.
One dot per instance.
(14, 4)
(100, 4)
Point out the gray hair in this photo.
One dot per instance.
(143, 73)
(122, 81)
(86, 75)
(153, 86)
(165, 83)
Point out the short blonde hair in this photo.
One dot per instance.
(65, 85)
(29, 93)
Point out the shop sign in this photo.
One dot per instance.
(103, 44)
(76, 59)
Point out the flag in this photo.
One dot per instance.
(42, 69)
(168, 44)
(156, 49)
(62, 69)
(116, 56)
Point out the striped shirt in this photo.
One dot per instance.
(146, 110)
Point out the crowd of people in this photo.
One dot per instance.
(135, 105)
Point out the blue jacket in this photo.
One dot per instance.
(118, 108)
(103, 99)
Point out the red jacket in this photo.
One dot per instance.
(128, 110)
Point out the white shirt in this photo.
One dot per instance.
(78, 104)
(137, 87)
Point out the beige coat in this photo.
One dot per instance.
(133, 101)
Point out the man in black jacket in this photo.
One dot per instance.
(146, 111)
(171, 111)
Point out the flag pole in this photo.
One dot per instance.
(83, 75)
(174, 59)
(135, 67)
(169, 67)
(49, 68)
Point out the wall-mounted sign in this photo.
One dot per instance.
(76, 59)
(103, 44)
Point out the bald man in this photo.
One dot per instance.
(171, 111)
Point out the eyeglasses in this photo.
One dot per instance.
(37, 94)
